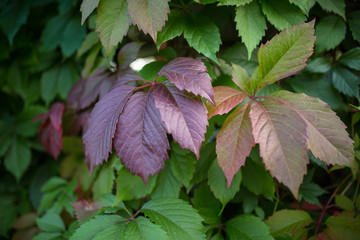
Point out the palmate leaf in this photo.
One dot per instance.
(286, 53)
(98, 137)
(140, 139)
(281, 134)
(191, 75)
(149, 15)
(112, 22)
(165, 212)
(234, 141)
(184, 116)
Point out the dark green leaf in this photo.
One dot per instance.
(149, 71)
(167, 185)
(207, 156)
(336, 6)
(319, 65)
(351, 58)
(346, 82)
(73, 35)
(237, 54)
(330, 31)
(310, 192)
(18, 158)
(206, 204)
(174, 27)
(354, 24)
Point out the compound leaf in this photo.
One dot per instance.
(189, 74)
(165, 212)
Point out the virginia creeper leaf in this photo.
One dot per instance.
(174, 27)
(104, 182)
(51, 222)
(251, 24)
(165, 212)
(87, 7)
(286, 53)
(343, 227)
(73, 35)
(128, 53)
(330, 31)
(84, 210)
(233, 2)
(90, 40)
(351, 58)
(149, 15)
(304, 5)
(346, 82)
(167, 185)
(354, 24)
(140, 138)
(234, 141)
(328, 139)
(189, 74)
(336, 6)
(18, 158)
(282, 14)
(184, 116)
(143, 229)
(344, 202)
(281, 134)
(241, 78)
(203, 35)
(226, 98)
(112, 23)
(98, 136)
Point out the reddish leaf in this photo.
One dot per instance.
(234, 141)
(98, 136)
(84, 210)
(51, 129)
(74, 94)
(226, 98)
(184, 116)
(128, 53)
(140, 139)
(189, 74)
(281, 134)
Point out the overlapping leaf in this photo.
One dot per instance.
(286, 53)
(174, 27)
(98, 137)
(330, 31)
(234, 141)
(140, 138)
(143, 229)
(191, 75)
(149, 15)
(128, 53)
(336, 6)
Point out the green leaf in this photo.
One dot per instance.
(335, 6)
(130, 187)
(351, 58)
(330, 32)
(16, 80)
(73, 35)
(165, 212)
(149, 71)
(207, 156)
(237, 55)
(143, 229)
(167, 185)
(112, 23)
(344, 227)
(219, 185)
(354, 24)
(18, 158)
(233, 2)
(101, 227)
(206, 204)
(13, 16)
(104, 182)
(47, 236)
(87, 7)
(346, 82)
(90, 40)
(310, 193)
(292, 221)
(286, 53)
(174, 27)
(282, 14)
(304, 5)
(203, 35)
(53, 183)
(51, 222)
(319, 65)
(247, 227)
(149, 16)
(257, 179)
(182, 164)
(251, 24)
(344, 202)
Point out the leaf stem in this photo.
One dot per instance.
(328, 203)
(147, 85)
(277, 198)
(141, 80)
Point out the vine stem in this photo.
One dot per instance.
(328, 203)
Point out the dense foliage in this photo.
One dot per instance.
(242, 124)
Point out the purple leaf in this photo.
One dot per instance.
(140, 139)
(184, 116)
(128, 53)
(189, 74)
(100, 130)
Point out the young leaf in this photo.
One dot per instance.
(327, 138)
(251, 24)
(281, 134)
(174, 27)
(165, 212)
(219, 185)
(98, 136)
(336, 6)
(87, 7)
(112, 22)
(330, 31)
(292, 221)
(234, 141)
(241, 78)
(149, 15)
(203, 35)
(189, 74)
(184, 116)
(143, 229)
(247, 227)
(286, 53)
(226, 98)
(140, 139)
(282, 14)
(354, 23)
